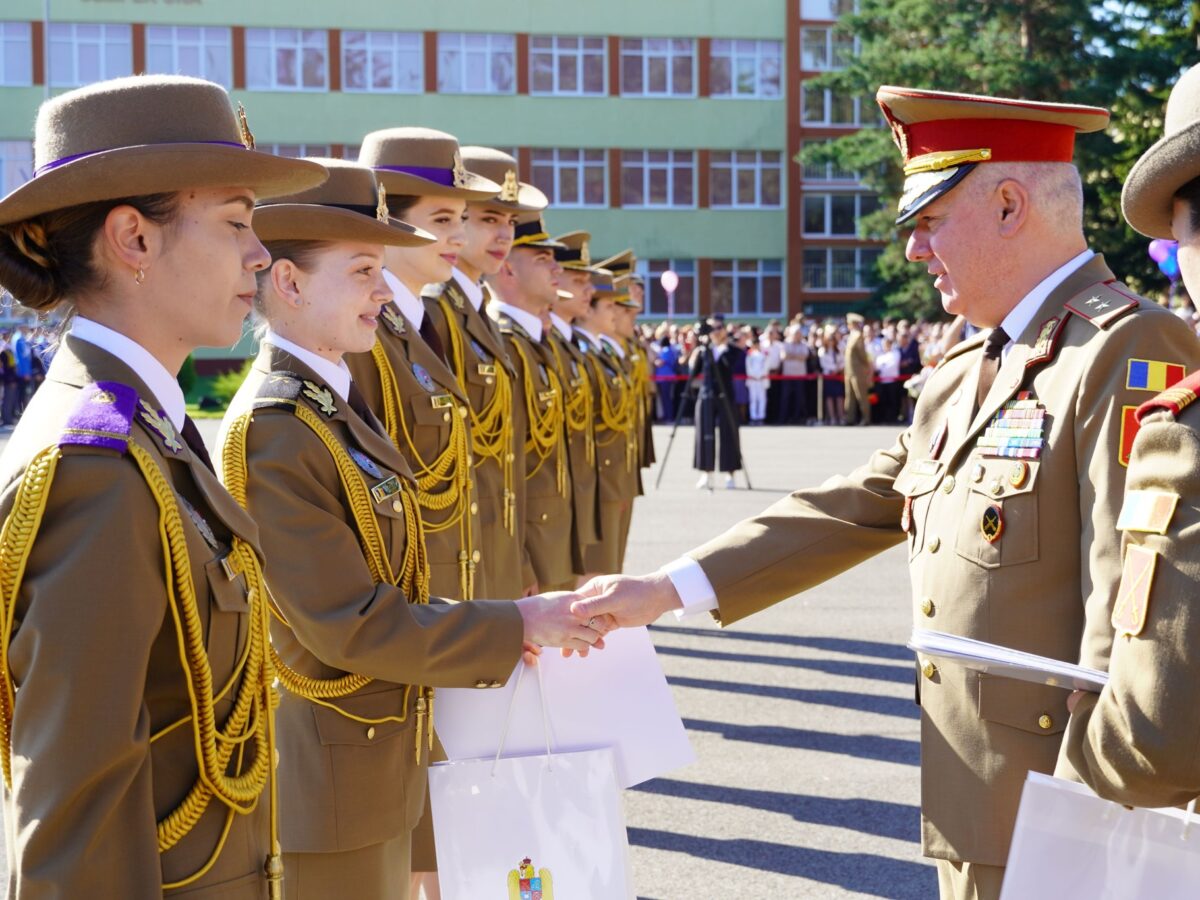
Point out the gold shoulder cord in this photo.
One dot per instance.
(492, 426)
(545, 414)
(578, 406)
(451, 468)
(413, 578)
(619, 416)
(251, 715)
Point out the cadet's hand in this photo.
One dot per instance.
(549, 622)
(530, 654)
(627, 601)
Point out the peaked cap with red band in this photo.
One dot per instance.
(944, 136)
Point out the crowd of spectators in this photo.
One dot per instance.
(24, 357)
(793, 373)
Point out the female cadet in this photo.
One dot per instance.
(135, 725)
(359, 644)
(406, 377)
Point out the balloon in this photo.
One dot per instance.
(669, 281)
(1170, 265)
(1160, 249)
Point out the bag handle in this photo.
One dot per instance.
(512, 701)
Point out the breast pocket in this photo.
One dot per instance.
(917, 486)
(999, 522)
(432, 418)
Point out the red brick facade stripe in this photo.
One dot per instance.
(335, 59)
(703, 178)
(704, 270)
(239, 57)
(704, 66)
(614, 178)
(525, 164)
(431, 62)
(792, 171)
(37, 34)
(138, 36)
(614, 66)
(522, 64)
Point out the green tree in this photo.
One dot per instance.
(1123, 56)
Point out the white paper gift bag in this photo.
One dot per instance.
(531, 827)
(1069, 844)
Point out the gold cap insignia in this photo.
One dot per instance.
(381, 207)
(584, 256)
(244, 128)
(460, 171)
(510, 192)
(900, 137)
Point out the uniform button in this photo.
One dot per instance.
(488, 380)
(462, 412)
(997, 487)
(608, 462)
(474, 509)
(475, 556)
(934, 543)
(977, 473)
(927, 606)
(1045, 722)
(508, 457)
(948, 485)
(481, 683)
(371, 733)
(397, 506)
(496, 684)
(545, 516)
(929, 670)
(445, 417)
(470, 459)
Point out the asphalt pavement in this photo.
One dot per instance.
(806, 783)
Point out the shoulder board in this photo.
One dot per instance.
(1173, 400)
(102, 417)
(1103, 303)
(279, 390)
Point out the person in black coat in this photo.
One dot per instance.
(712, 368)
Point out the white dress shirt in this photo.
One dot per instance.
(693, 586)
(409, 303)
(526, 320)
(154, 374)
(336, 375)
(561, 325)
(473, 289)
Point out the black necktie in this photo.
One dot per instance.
(354, 399)
(989, 365)
(191, 437)
(430, 335)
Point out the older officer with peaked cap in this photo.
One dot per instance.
(1137, 742)
(1007, 485)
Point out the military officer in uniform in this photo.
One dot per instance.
(477, 355)
(526, 287)
(579, 408)
(1020, 438)
(360, 644)
(137, 744)
(406, 377)
(860, 373)
(1135, 742)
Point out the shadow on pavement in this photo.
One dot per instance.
(881, 818)
(900, 707)
(865, 873)
(877, 649)
(897, 674)
(863, 746)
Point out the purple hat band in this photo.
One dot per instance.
(444, 177)
(50, 166)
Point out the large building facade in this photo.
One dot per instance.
(670, 126)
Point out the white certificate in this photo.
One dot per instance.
(618, 697)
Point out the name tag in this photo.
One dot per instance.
(486, 368)
(441, 401)
(547, 396)
(386, 489)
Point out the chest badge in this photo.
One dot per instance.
(201, 524)
(992, 524)
(321, 396)
(1017, 431)
(424, 379)
(480, 351)
(365, 463)
(157, 421)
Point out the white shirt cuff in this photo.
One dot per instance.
(694, 589)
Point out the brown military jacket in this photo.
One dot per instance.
(1138, 741)
(484, 363)
(548, 506)
(96, 661)
(1021, 552)
(427, 400)
(346, 784)
(573, 373)
(639, 356)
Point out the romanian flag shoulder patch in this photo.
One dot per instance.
(1152, 375)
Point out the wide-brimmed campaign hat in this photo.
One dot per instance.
(1173, 161)
(350, 206)
(498, 166)
(531, 232)
(422, 162)
(943, 136)
(146, 134)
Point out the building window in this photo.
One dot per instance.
(572, 177)
(81, 54)
(746, 69)
(748, 287)
(475, 63)
(658, 178)
(567, 66)
(826, 49)
(287, 59)
(297, 151)
(840, 268)
(821, 106)
(656, 298)
(386, 62)
(187, 50)
(836, 215)
(658, 67)
(16, 164)
(746, 178)
(16, 54)
(826, 9)
(828, 171)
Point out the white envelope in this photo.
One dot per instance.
(617, 697)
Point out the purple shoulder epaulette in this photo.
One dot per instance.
(102, 417)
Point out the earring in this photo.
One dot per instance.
(139, 276)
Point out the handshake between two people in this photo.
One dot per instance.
(577, 621)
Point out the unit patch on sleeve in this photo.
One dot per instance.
(1147, 511)
(1152, 375)
(1133, 597)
